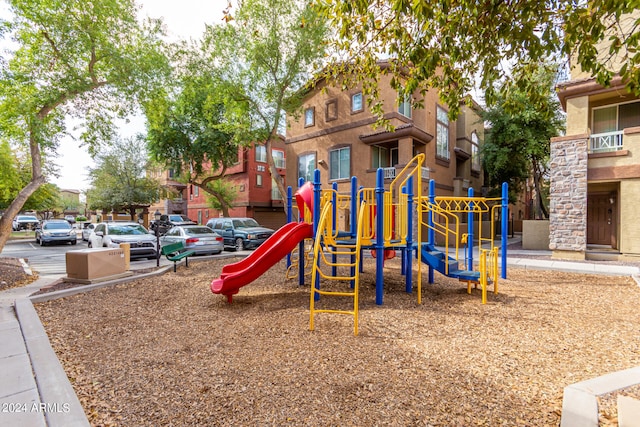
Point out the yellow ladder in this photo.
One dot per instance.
(325, 247)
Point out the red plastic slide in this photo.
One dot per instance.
(284, 240)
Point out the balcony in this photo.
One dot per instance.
(390, 173)
(605, 142)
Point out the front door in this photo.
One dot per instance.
(601, 220)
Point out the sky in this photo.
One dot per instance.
(184, 19)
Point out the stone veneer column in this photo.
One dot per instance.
(568, 197)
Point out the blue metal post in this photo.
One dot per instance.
(379, 245)
(505, 227)
(316, 218)
(470, 232)
(361, 251)
(431, 232)
(301, 258)
(353, 226)
(334, 213)
(407, 252)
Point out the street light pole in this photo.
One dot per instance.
(157, 214)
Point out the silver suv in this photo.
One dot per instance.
(25, 222)
(111, 234)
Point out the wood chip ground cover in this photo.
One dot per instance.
(166, 351)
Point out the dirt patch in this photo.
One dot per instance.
(13, 274)
(166, 351)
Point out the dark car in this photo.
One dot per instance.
(240, 233)
(55, 231)
(167, 221)
(25, 222)
(111, 234)
(198, 238)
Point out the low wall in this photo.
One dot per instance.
(535, 235)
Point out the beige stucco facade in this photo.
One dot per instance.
(610, 219)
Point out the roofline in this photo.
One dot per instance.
(575, 88)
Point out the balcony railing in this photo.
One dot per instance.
(605, 142)
(389, 173)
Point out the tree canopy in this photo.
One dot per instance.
(90, 60)
(119, 180)
(516, 147)
(449, 45)
(266, 53)
(191, 132)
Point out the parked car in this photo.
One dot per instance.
(167, 221)
(111, 234)
(87, 229)
(25, 222)
(240, 233)
(198, 238)
(55, 231)
(70, 218)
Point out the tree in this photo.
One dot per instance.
(119, 179)
(448, 45)
(191, 131)
(83, 59)
(15, 173)
(266, 53)
(517, 146)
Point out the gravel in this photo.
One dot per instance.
(166, 351)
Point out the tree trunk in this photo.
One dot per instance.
(223, 204)
(37, 180)
(273, 171)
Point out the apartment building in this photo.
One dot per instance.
(337, 135)
(176, 203)
(595, 169)
(256, 195)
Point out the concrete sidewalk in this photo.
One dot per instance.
(35, 390)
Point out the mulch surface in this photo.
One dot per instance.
(164, 350)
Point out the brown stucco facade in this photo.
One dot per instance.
(336, 124)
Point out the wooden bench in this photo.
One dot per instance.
(175, 252)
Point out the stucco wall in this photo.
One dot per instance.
(535, 235)
(630, 216)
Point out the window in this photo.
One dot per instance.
(196, 190)
(475, 153)
(275, 193)
(261, 153)
(309, 117)
(405, 106)
(356, 102)
(259, 180)
(340, 159)
(306, 165)
(616, 117)
(278, 158)
(331, 111)
(199, 217)
(379, 157)
(442, 132)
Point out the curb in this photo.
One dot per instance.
(59, 401)
(580, 400)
